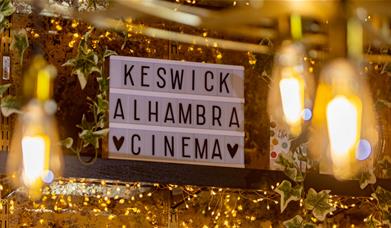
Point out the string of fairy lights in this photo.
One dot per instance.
(77, 28)
(112, 199)
(115, 199)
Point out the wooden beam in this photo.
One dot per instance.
(164, 173)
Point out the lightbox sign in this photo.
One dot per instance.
(178, 112)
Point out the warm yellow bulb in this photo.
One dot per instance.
(34, 149)
(292, 98)
(343, 117)
(43, 85)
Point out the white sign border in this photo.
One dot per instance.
(121, 156)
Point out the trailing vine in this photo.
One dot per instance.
(316, 206)
(85, 64)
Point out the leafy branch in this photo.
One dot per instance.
(9, 103)
(84, 65)
(20, 43)
(6, 10)
(316, 204)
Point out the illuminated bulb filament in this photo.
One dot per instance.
(33, 158)
(342, 124)
(292, 100)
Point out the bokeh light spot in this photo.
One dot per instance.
(364, 149)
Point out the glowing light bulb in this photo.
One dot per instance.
(34, 149)
(35, 154)
(343, 126)
(292, 100)
(291, 91)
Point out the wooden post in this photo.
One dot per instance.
(5, 122)
(4, 215)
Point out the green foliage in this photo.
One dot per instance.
(3, 88)
(384, 166)
(383, 198)
(20, 43)
(381, 216)
(91, 133)
(372, 222)
(288, 193)
(298, 222)
(92, 130)
(384, 102)
(367, 177)
(387, 218)
(85, 63)
(91, 4)
(289, 166)
(295, 222)
(318, 202)
(67, 143)
(6, 9)
(9, 104)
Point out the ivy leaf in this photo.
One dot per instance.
(289, 167)
(84, 66)
(85, 63)
(89, 138)
(91, 3)
(288, 193)
(387, 218)
(385, 102)
(9, 105)
(367, 177)
(297, 222)
(69, 62)
(6, 9)
(4, 88)
(102, 132)
(84, 124)
(67, 143)
(108, 53)
(383, 198)
(103, 84)
(20, 43)
(372, 222)
(385, 166)
(318, 203)
(309, 225)
(82, 78)
(102, 104)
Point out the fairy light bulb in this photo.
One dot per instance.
(35, 155)
(34, 150)
(343, 126)
(291, 90)
(292, 93)
(344, 123)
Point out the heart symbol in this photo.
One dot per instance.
(232, 149)
(118, 142)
